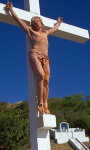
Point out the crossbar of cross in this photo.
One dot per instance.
(65, 31)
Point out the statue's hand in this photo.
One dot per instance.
(60, 19)
(9, 5)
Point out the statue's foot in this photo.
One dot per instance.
(46, 111)
(40, 108)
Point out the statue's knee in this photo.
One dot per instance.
(46, 79)
(46, 82)
(41, 76)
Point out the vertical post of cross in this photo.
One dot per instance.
(32, 6)
(39, 126)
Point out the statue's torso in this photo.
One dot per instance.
(39, 41)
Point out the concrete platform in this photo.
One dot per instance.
(46, 122)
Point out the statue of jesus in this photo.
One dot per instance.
(38, 55)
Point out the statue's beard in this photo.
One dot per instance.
(37, 27)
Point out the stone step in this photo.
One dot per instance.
(77, 144)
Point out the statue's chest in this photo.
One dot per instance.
(38, 37)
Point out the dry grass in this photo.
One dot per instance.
(65, 146)
(87, 144)
(55, 146)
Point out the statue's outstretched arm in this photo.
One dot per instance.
(22, 24)
(54, 29)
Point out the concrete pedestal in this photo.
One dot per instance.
(44, 123)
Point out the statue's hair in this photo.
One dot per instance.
(32, 20)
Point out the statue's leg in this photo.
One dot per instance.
(40, 75)
(45, 94)
(46, 68)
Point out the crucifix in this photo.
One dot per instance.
(40, 124)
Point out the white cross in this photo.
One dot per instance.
(65, 31)
(40, 137)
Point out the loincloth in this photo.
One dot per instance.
(43, 59)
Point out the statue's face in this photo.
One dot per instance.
(37, 24)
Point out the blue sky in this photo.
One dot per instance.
(70, 61)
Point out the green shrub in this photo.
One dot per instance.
(14, 130)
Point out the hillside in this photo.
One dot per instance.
(14, 122)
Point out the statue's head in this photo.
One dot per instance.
(36, 23)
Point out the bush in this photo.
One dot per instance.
(72, 109)
(14, 130)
